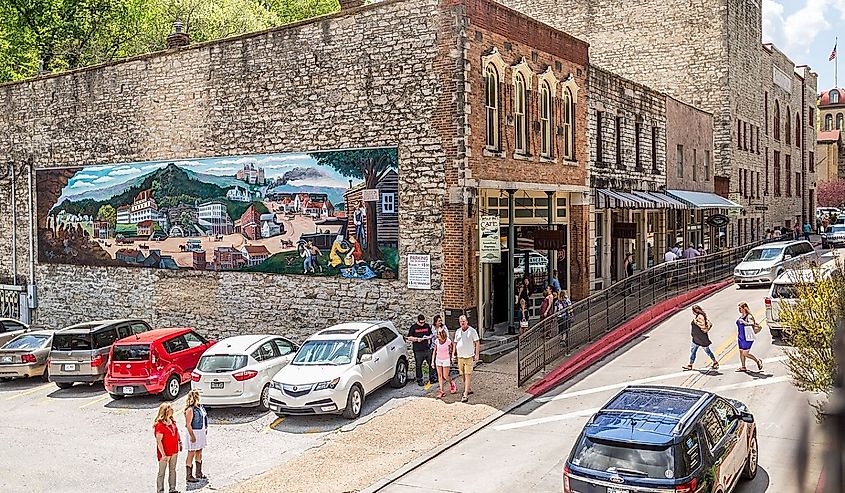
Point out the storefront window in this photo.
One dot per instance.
(599, 252)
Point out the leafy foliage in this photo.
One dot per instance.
(831, 194)
(66, 34)
(812, 320)
(107, 213)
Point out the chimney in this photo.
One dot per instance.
(178, 38)
(350, 4)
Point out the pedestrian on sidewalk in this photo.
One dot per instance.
(442, 356)
(522, 316)
(747, 328)
(629, 265)
(555, 282)
(548, 305)
(563, 309)
(524, 293)
(196, 432)
(420, 335)
(467, 350)
(669, 256)
(796, 231)
(699, 327)
(168, 446)
(807, 229)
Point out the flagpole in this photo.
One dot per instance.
(836, 66)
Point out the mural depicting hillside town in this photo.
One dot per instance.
(317, 214)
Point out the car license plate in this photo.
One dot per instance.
(7, 359)
(128, 390)
(617, 490)
(217, 385)
(69, 367)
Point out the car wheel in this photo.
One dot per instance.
(46, 375)
(750, 469)
(400, 378)
(264, 400)
(171, 389)
(64, 385)
(116, 397)
(354, 402)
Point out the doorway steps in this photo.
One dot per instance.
(494, 347)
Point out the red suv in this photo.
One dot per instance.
(155, 362)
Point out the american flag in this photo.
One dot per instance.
(832, 53)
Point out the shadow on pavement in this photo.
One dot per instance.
(18, 384)
(759, 484)
(146, 401)
(78, 391)
(234, 415)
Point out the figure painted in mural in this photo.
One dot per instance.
(312, 258)
(341, 252)
(357, 252)
(360, 218)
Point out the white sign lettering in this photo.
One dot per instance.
(489, 244)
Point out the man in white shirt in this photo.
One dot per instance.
(669, 256)
(467, 348)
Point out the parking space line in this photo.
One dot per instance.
(95, 401)
(272, 425)
(30, 391)
(546, 419)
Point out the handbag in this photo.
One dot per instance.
(749, 333)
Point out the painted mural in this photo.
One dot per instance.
(317, 214)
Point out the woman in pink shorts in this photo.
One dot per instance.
(442, 359)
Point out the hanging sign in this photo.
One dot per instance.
(419, 271)
(550, 239)
(718, 220)
(489, 241)
(369, 195)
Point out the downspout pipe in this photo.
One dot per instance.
(14, 224)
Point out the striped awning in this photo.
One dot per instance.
(703, 200)
(662, 200)
(611, 199)
(615, 199)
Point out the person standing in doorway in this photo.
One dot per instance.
(555, 282)
(168, 446)
(548, 305)
(420, 335)
(467, 351)
(359, 217)
(699, 327)
(746, 329)
(629, 265)
(196, 427)
(807, 229)
(442, 356)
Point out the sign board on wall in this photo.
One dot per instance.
(369, 195)
(419, 271)
(782, 79)
(624, 230)
(550, 239)
(489, 244)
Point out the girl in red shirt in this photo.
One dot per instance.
(168, 446)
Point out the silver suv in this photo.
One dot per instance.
(763, 264)
(80, 353)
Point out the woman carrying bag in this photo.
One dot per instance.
(747, 328)
(522, 315)
(699, 327)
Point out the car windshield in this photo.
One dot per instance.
(640, 461)
(788, 291)
(324, 353)
(839, 228)
(221, 363)
(764, 254)
(27, 341)
(72, 342)
(131, 352)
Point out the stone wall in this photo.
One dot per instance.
(381, 75)
(693, 129)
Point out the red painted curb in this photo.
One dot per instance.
(625, 333)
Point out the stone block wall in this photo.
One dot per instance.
(693, 129)
(382, 75)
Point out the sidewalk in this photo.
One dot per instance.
(359, 455)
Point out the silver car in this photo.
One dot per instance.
(11, 328)
(26, 355)
(763, 264)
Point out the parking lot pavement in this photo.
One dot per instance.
(79, 439)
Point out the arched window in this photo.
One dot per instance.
(519, 124)
(839, 121)
(776, 125)
(834, 96)
(798, 130)
(491, 101)
(787, 127)
(828, 122)
(545, 120)
(568, 124)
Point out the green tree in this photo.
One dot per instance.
(365, 165)
(107, 213)
(812, 319)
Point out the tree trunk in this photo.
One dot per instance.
(371, 223)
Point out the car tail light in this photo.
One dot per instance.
(195, 377)
(154, 359)
(768, 301)
(688, 487)
(27, 358)
(244, 375)
(97, 361)
(566, 487)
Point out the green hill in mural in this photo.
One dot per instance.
(170, 185)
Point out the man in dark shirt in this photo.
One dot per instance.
(420, 334)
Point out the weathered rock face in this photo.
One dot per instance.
(364, 79)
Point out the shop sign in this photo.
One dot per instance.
(624, 230)
(489, 243)
(369, 195)
(734, 212)
(419, 271)
(718, 220)
(549, 239)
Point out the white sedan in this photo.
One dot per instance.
(238, 371)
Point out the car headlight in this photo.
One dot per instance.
(327, 385)
(736, 272)
(277, 385)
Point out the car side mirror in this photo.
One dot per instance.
(787, 256)
(744, 416)
(365, 357)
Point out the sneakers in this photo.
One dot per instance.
(452, 388)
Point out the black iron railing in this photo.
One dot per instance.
(589, 319)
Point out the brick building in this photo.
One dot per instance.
(706, 53)
(485, 105)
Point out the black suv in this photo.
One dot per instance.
(658, 439)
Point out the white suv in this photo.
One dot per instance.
(337, 367)
(763, 264)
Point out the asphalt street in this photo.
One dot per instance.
(79, 440)
(525, 449)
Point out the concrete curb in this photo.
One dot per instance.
(407, 468)
(621, 336)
